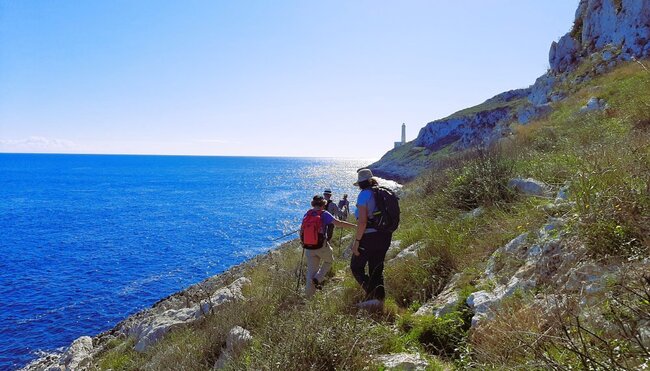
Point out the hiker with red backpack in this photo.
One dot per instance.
(314, 242)
(377, 217)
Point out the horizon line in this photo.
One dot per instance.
(181, 155)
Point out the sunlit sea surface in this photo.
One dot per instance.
(86, 240)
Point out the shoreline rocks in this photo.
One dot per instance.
(150, 330)
(149, 325)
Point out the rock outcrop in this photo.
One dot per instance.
(445, 302)
(151, 329)
(78, 355)
(623, 24)
(521, 266)
(604, 33)
(546, 259)
(464, 131)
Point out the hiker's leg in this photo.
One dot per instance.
(380, 245)
(326, 257)
(313, 261)
(358, 265)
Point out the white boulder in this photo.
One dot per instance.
(402, 362)
(475, 213)
(411, 251)
(238, 339)
(481, 302)
(529, 186)
(594, 104)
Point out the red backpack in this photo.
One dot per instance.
(311, 230)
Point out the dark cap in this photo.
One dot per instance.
(318, 200)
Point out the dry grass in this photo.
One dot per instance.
(604, 155)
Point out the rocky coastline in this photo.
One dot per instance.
(147, 326)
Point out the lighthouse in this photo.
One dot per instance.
(403, 141)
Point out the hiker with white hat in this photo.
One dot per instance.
(332, 209)
(370, 245)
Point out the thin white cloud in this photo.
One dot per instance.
(216, 141)
(36, 143)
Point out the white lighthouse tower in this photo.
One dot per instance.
(403, 141)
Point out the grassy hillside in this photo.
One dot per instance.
(605, 158)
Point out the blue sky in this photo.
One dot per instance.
(258, 78)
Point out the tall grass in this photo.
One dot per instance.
(603, 156)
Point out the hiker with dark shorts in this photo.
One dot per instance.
(317, 251)
(371, 242)
(332, 209)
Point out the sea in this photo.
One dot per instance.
(87, 240)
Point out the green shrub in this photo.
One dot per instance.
(441, 336)
(310, 339)
(119, 355)
(613, 205)
(411, 280)
(482, 182)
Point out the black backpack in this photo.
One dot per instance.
(386, 215)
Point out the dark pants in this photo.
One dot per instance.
(372, 249)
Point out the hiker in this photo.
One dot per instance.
(372, 240)
(318, 251)
(332, 209)
(344, 207)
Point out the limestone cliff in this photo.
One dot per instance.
(604, 33)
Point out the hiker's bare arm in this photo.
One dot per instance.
(361, 227)
(343, 224)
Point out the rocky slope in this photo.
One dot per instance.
(605, 32)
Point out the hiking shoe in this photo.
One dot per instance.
(318, 285)
(373, 305)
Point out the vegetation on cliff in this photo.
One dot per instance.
(602, 158)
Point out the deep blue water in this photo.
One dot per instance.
(86, 240)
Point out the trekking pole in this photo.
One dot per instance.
(340, 239)
(288, 234)
(300, 270)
